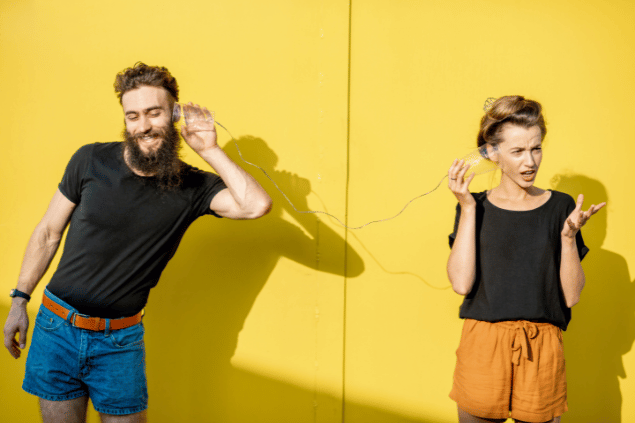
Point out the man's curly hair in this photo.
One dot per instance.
(141, 74)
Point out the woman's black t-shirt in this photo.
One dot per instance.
(518, 262)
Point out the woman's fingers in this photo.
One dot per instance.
(583, 216)
(463, 170)
(469, 178)
(578, 205)
(457, 182)
(457, 170)
(572, 225)
(597, 208)
(452, 170)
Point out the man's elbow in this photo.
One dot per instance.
(260, 208)
(46, 235)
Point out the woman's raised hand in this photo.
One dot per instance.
(578, 218)
(459, 185)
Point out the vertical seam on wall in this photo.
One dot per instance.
(348, 168)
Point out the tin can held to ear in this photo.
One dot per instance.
(482, 160)
(189, 113)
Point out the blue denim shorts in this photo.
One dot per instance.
(67, 362)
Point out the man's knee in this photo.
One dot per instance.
(68, 411)
(140, 417)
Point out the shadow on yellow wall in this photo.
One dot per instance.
(602, 328)
(207, 292)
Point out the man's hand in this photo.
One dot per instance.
(17, 321)
(199, 131)
(578, 218)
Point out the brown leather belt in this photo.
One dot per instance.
(91, 323)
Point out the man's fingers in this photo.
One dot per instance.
(22, 338)
(11, 345)
(8, 342)
(16, 349)
(208, 115)
(193, 113)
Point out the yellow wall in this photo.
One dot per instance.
(354, 108)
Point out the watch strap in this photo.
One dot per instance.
(17, 293)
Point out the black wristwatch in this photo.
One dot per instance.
(16, 293)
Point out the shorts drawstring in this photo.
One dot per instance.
(520, 346)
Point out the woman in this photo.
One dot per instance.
(516, 252)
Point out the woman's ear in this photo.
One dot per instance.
(492, 152)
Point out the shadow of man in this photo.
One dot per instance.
(602, 328)
(208, 290)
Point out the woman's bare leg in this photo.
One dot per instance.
(468, 418)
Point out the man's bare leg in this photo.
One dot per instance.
(140, 417)
(555, 420)
(69, 411)
(468, 418)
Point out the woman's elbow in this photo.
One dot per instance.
(574, 291)
(574, 297)
(461, 285)
(461, 289)
(572, 300)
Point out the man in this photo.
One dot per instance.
(128, 204)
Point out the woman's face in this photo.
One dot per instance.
(520, 153)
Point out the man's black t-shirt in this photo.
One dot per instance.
(518, 262)
(123, 231)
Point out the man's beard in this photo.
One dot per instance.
(164, 164)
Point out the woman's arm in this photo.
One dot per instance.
(462, 262)
(571, 273)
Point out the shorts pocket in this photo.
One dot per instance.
(128, 337)
(47, 320)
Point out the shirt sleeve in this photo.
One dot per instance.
(457, 217)
(73, 179)
(579, 241)
(211, 185)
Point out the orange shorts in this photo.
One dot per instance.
(512, 367)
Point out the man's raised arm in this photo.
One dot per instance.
(244, 198)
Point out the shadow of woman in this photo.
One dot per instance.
(602, 328)
(206, 293)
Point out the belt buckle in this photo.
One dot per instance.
(90, 323)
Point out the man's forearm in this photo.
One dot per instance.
(39, 253)
(250, 197)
